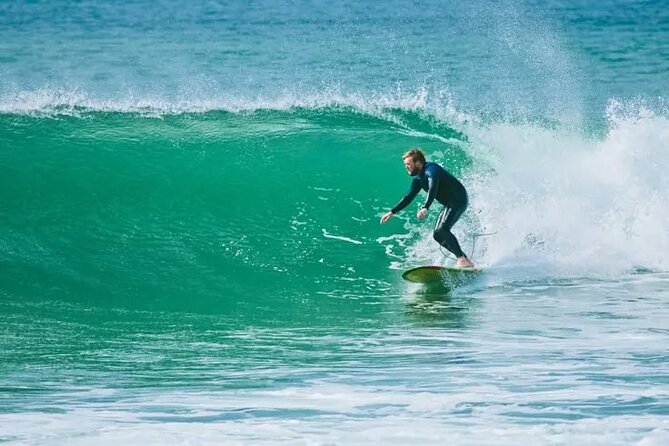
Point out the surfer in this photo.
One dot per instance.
(443, 187)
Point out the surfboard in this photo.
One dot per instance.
(449, 276)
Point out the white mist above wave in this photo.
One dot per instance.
(566, 203)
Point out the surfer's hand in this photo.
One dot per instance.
(421, 214)
(386, 217)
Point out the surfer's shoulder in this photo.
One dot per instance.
(432, 169)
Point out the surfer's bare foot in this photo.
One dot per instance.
(464, 262)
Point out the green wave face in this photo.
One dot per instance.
(209, 212)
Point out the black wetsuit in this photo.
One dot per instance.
(447, 190)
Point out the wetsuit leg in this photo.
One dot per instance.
(442, 230)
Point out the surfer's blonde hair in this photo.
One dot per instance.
(415, 154)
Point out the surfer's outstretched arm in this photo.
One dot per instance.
(408, 198)
(404, 202)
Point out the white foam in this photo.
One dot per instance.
(574, 203)
(326, 234)
(324, 414)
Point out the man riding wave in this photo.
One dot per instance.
(443, 187)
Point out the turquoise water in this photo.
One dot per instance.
(190, 250)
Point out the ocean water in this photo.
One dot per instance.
(190, 247)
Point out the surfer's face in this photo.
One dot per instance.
(412, 167)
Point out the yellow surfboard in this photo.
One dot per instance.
(449, 276)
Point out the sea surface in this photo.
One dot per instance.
(190, 247)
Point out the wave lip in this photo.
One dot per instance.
(61, 101)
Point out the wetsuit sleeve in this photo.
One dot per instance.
(432, 188)
(408, 198)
